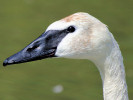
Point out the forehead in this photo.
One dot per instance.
(75, 19)
(59, 25)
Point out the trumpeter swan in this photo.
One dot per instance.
(81, 36)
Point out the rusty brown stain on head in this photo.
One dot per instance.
(73, 17)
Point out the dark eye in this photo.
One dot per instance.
(70, 29)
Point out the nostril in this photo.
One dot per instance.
(32, 48)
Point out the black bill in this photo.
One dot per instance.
(43, 47)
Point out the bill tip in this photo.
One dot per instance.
(5, 63)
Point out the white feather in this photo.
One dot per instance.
(92, 40)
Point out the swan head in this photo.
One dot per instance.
(78, 36)
(91, 38)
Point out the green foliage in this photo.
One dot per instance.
(21, 21)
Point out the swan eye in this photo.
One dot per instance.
(70, 29)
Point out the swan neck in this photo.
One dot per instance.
(113, 76)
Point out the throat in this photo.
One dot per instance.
(113, 76)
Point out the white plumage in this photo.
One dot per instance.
(93, 41)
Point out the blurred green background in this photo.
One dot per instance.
(21, 21)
